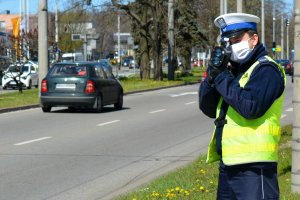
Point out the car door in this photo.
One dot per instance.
(113, 84)
(102, 83)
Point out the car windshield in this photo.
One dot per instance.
(68, 70)
(14, 68)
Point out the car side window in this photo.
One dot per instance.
(108, 72)
(32, 69)
(98, 72)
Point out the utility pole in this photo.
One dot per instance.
(263, 22)
(171, 46)
(239, 6)
(287, 39)
(274, 39)
(223, 7)
(296, 104)
(119, 45)
(56, 31)
(282, 37)
(85, 46)
(43, 40)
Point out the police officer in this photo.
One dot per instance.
(246, 101)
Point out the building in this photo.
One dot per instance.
(6, 28)
(126, 44)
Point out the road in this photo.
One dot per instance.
(85, 155)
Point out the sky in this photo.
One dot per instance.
(14, 5)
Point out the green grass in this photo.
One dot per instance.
(31, 97)
(199, 180)
(15, 99)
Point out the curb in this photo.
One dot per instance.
(6, 110)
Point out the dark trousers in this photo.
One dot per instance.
(248, 184)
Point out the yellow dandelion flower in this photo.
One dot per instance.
(211, 182)
(154, 194)
(177, 188)
(206, 190)
(201, 188)
(133, 198)
(186, 193)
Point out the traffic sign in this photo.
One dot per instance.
(76, 37)
(278, 49)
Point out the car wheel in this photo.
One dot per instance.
(119, 104)
(46, 108)
(98, 104)
(30, 84)
(4, 87)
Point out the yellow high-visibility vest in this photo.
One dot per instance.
(249, 140)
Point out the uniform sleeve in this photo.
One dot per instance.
(208, 99)
(265, 85)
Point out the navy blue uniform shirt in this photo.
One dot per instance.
(265, 85)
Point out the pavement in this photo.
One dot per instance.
(5, 110)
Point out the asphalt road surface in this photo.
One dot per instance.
(86, 155)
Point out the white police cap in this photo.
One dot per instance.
(235, 22)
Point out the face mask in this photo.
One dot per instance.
(240, 51)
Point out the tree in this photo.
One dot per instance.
(142, 21)
(188, 32)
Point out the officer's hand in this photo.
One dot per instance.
(218, 63)
(212, 73)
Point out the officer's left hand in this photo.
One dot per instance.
(217, 63)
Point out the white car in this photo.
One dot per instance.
(29, 76)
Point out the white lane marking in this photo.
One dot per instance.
(190, 103)
(183, 94)
(289, 110)
(156, 111)
(30, 141)
(283, 116)
(106, 123)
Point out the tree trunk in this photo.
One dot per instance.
(157, 40)
(145, 60)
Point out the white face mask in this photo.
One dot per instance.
(240, 51)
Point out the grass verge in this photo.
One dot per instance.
(31, 97)
(199, 180)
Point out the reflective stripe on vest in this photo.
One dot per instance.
(249, 140)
